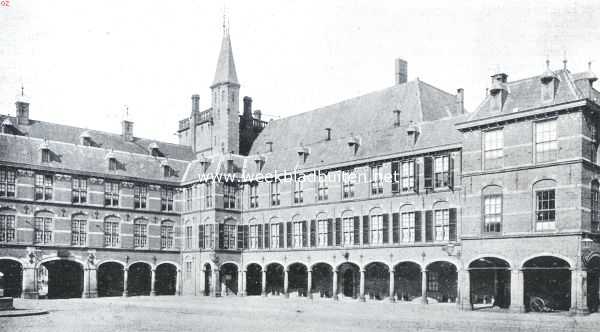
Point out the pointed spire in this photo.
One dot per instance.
(225, 72)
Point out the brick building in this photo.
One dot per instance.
(398, 194)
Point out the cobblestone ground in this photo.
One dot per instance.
(169, 313)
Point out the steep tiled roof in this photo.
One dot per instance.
(225, 72)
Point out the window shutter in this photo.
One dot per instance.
(452, 224)
(260, 236)
(201, 236)
(240, 237)
(417, 175)
(329, 232)
(428, 172)
(395, 176)
(429, 226)
(357, 230)
(304, 234)
(281, 237)
(365, 229)
(289, 234)
(267, 238)
(246, 236)
(386, 228)
(418, 227)
(450, 171)
(338, 231)
(313, 233)
(395, 227)
(221, 230)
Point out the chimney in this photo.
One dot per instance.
(195, 103)
(460, 101)
(401, 71)
(127, 130)
(257, 114)
(498, 91)
(247, 107)
(22, 108)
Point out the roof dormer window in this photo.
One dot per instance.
(260, 161)
(204, 162)
(303, 152)
(112, 161)
(7, 126)
(549, 84)
(153, 149)
(354, 143)
(45, 152)
(85, 138)
(166, 168)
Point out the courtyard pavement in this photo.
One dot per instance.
(248, 314)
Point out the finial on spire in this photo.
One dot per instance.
(23, 89)
(547, 63)
(565, 60)
(225, 20)
(590, 65)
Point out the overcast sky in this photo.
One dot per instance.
(82, 61)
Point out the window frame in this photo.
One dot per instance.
(167, 199)
(8, 230)
(112, 233)
(140, 196)
(411, 179)
(275, 191)
(253, 195)
(348, 183)
(8, 182)
(43, 228)
(42, 190)
(540, 226)
(140, 234)
(111, 193)
(376, 233)
(167, 229)
(549, 142)
(79, 190)
(78, 232)
(441, 225)
(492, 156)
(376, 179)
(495, 214)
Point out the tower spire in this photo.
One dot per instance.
(225, 72)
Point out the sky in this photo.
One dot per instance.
(82, 63)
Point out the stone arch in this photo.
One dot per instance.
(139, 278)
(298, 278)
(377, 280)
(546, 254)
(166, 278)
(547, 282)
(489, 279)
(12, 271)
(228, 273)
(275, 274)
(253, 278)
(322, 279)
(442, 280)
(348, 279)
(593, 281)
(407, 280)
(110, 278)
(61, 277)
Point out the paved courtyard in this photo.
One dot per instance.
(248, 314)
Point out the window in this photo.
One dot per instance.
(441, 169)
(230, 195)
(322, 187)
(432, 281)
(188, 270)
(209, 236)
(188, 198)
(140, 196)
(407, 227)
(442, 225)
(297, 234)
(79, 191)
(208, 194)
(322, 232)
(253, 195)
(275, 235)
(377, 180)
(407, 176)
(376, 229)
(166, 199)
(45, 155)
(493, 148)
(594, 141)
(275, 193)
(166, 235)
(167, 171)
(112, 164)
(492, 213)
(7, 228)
(43, 230)
(545, 210)
(348, 179)
(140, 236)
(7, 183)
(111, 194)
(188, 237)
(348, 230)
(298, 191)
(43, 187)
(546, 144)
(595, 197)
(111, 233)
(229, 236)
(253, 237)
(78, 232)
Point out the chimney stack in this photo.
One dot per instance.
(127, 130)
(195, 103)
(401, 71)
(247, 107)
(460, 101)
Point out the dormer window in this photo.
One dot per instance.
(85, 138)
(7, 126)
(153, 149)
(204, 162)
(549, 84)
(354, 143)
(45, 152)
(166, 168)
(260, 161)
(413, 132)
(303, 152)
(112, 161)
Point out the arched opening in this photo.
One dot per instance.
(64, 279)
(207, 279)
(349, 280)
(165, 279)
(547, 284)
(229, 279)
(139, 279)
(110, 279)
(593, 286)
(442, 281)
(489, 282)
(12, 280)
(377, 281)
(297, 279)
(253, 279)
(274, 279)
(408, 281)
(322, 280)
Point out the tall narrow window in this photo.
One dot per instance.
(595, 197)
(275, 235)
(7, 228)
(7, 182)
(45, 155)
(166, 199)
(188, 198)
(253, 237)
(209, 236)
(43, 187)
(322, 232)
(407, 174)
(188, 237)
(229, 237)
(441, 171)
(112, 164)
(348, 180)
(111, 232)
(275, 193)
(230, 195)
(208, 195)
(43, 230)
(432, 281)
(322, 194)
(376, 229)
(253, 195)
(79, 191)
(593, 141)
(348, 229)
(140, 234)
(442, 225)
(298, 191)
(140, 196)
(493, 148)
(492, 213)
(166, 235)
(376, 179)
(546, 143)
(407, 221)
(545, 210)
(78, 232)
(297, 234)
(111, 194)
